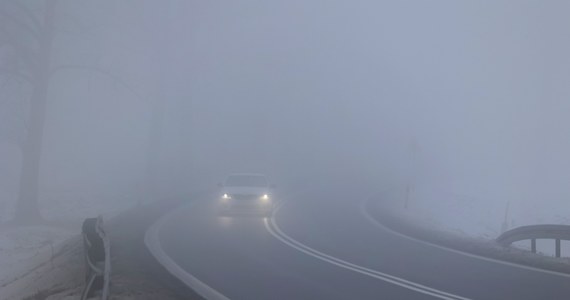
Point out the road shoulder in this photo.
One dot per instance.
(458, 243)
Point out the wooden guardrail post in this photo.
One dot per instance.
(533, 245)
(557, 247)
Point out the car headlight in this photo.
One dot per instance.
(265, 198)
(226, 196)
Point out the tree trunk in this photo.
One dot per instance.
(27, 209)
(154, 144)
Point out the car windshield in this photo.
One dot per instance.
(246, 181)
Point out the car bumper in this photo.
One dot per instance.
(247, 207)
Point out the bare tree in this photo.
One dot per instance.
(29, 38)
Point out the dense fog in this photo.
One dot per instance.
(152, 99)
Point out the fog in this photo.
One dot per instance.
(335, 95)
(380, 124)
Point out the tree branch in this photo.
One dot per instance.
(20, 24)
(25, 52)
(36, 24)
(14, 73)
(101, 72)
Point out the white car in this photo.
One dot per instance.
(246, 193)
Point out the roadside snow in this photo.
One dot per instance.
(476, 213)
(32, 258)
(38, 260)
(76, 206)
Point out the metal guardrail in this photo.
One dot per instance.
(534, 232)
(97, 259)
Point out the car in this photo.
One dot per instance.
(246, 193)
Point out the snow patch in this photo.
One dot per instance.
(39, 260)
(475, 213)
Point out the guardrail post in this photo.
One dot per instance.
(97, 259)
(556, 232)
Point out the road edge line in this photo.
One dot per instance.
(377, 223)
(152, 243)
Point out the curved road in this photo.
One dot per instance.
(329, 249)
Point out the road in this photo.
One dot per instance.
(329, 249)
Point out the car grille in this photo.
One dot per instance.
(241, 197)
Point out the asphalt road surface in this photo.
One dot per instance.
(330, 249)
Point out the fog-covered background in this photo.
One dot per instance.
(466, 97)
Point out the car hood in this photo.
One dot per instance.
(245, 190)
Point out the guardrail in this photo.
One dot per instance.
(534, 232)
(97, 259)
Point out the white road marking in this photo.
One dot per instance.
(367, 215)
(273, 228)
(152, 242)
